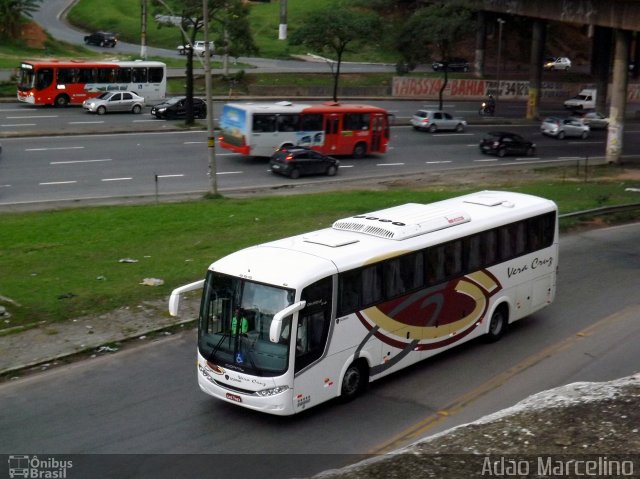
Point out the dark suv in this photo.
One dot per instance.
(452, 64)
(102, 39)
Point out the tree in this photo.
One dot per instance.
(333, 30)
(12, 13)
(434, 29)
(228, 18)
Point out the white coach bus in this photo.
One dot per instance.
(292, 323)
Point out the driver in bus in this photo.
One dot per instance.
(239, 320)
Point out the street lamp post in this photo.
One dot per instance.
(500, 23)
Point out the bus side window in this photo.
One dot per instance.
(311, 122)
(264, 123)
(45, 77)
(288, 122)
(139, 75)
(350, 288)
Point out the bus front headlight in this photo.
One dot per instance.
(272, 391)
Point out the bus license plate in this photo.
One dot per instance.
(234, 397)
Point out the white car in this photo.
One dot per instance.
(563, 127)
(560, 63)
(435, 120)
(110, 101)
(198, 48)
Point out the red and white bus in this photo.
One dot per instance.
(259, 129)
(62, 83)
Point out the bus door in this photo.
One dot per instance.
(332, 134)
(315, 374)
(377, 132)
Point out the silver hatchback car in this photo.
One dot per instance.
(114, 101)
(563, 127)
(435, 120)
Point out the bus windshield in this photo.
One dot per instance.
(235, 318)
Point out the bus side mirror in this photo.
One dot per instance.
(276, 323)
(174, 299)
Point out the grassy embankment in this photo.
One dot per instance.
(63, 264)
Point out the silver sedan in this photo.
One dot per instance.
(563, 127)
(114, 101)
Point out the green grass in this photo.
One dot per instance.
(63, 264)
(123, 17)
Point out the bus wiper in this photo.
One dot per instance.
(211, 356)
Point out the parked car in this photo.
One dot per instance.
(173, 108)
(452, 64)
(299, 160)
(102, 39)
(504, 143)
(595, 120)
(435, 120)
(560, 63)
(111, 101)
(563, 127)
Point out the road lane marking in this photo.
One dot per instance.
(487, 159)
(57, 183)
(453, 135)
(438, 162)
(145, 121)
(528, 158)
(195, 143)
(169, 176)
(390, 164)
(6, 125)
(70, 162)
(229, 172)
(418, 430)
(117, 179)
(86, 122)
(28, 117)
(56, 148)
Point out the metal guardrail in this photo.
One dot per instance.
(603, 210)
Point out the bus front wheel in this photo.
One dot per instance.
(61, 101)
(354, 381)
(498, 324)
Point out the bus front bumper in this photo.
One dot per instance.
(280, 404)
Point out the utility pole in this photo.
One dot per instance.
(211, 138)
(143, 29)
(500, 23)
(282, 31)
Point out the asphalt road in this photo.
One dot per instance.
(145, 400)
(161, 159)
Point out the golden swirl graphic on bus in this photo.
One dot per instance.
(433, 317)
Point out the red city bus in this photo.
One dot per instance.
(62, 83)
(259, 129)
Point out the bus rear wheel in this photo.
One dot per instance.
(360, 150)
(354, 381)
